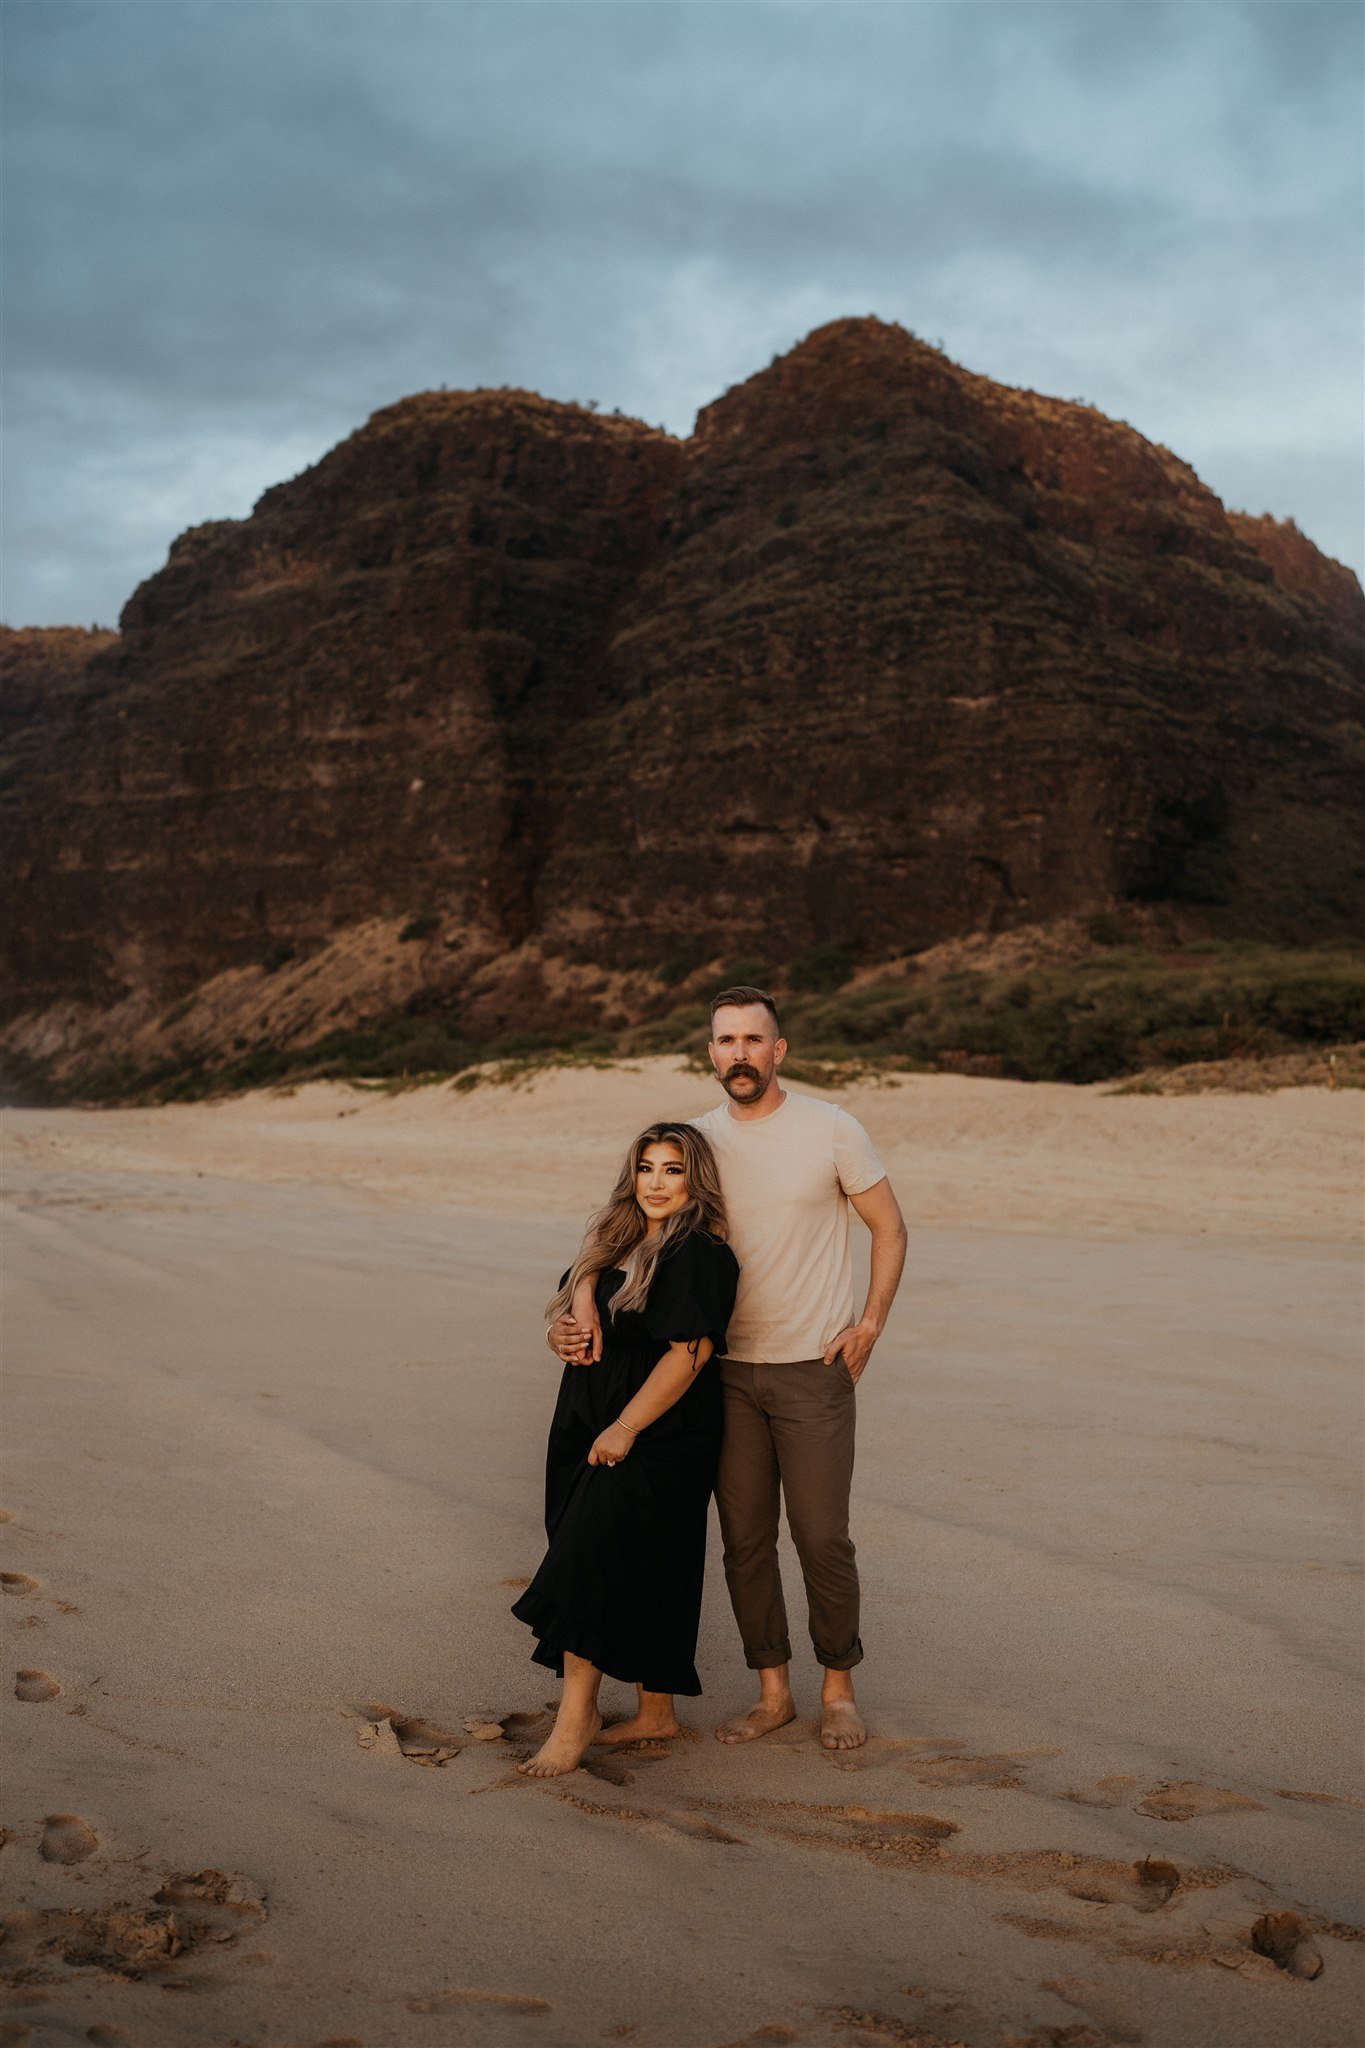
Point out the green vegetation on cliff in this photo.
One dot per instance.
(1122, 1012)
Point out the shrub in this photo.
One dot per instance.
(823, 968)
(683, 962)
(1098, 1018)
(743, 973)
(1095, 1019)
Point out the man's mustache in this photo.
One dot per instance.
(741, 1067)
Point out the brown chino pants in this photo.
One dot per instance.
(789, 1434)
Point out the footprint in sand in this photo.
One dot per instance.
(1145, 1886)
(390, 1732)
(1215, 1931)
(423, 1741)
(454, 1997)
(212, 1905)
(1185, 1800)
(1105, 1792)
(194, 1910)
(124, 1942)
(998, 1772)
(1112, 2013)
(66, 1838)
(881, 1837)
(20, 1584)
(35, 1686)
(696, 1827)
(1284, 1938)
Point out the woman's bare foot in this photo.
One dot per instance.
(642, 1727)
(563, 1751)
(760, 1720)
(841, 1725)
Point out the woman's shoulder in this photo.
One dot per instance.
(705, 1248)
(693, 1289)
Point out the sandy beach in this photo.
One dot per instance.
(276, 1395)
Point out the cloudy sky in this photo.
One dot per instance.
(236, 228)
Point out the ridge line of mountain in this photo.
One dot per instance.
(883, 655)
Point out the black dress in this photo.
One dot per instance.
(621, 1581)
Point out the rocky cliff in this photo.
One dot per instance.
(513, 707)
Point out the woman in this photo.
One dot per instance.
(633, 1448)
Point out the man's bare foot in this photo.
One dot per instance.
(760, 1720)
(841, 1725)
(643, 1727)
(563, 1751)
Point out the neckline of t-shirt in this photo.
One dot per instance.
(757, 1123)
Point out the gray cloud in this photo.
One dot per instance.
(236, 228)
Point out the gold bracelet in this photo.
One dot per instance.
(626, 1425)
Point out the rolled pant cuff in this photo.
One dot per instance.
(765, 1660)
(844, 1663)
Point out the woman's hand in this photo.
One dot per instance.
(613, 1445)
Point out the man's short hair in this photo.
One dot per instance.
(741, 999)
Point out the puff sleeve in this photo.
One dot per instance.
(693, 1293)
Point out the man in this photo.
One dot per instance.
(790, 1166)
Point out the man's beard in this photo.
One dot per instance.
(750, 1082)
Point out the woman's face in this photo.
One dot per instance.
(661, 1181)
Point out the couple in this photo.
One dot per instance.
(709, 1342)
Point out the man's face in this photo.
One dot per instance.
(745, 1050)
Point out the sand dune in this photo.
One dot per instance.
(275, 1406)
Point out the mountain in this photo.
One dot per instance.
(521, 711)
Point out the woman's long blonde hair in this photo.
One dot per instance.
(617, 1235)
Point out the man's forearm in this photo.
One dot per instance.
(583, 1307)
(889, 1242)
(581, 1318)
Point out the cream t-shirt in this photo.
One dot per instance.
(786, 1178)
